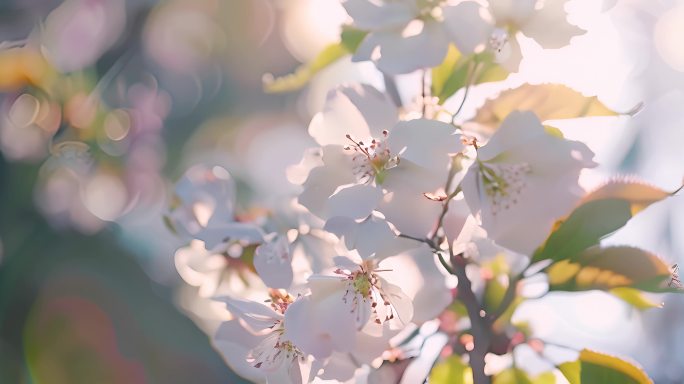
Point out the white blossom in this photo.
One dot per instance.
(206, 209)
(494, 28)
(370, 161)
(404, 35)
(523, 180)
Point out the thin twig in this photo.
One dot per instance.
(392, 90)
(472, 72)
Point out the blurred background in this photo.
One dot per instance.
(105, 103)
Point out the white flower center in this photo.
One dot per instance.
(503, 183)
(371, 160)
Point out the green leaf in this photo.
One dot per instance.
(451, 371)
(350, 40)
(547, 101)
(610, 268)
(451, 75)
(545, 378)
(457, 70)
(512, 376)
(599, 213)
(489, 70)
(584, 228)
(593, 367)
(495, 289)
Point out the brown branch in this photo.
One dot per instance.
(481, 326)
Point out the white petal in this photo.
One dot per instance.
(344, 228)
(320, 327)
(400, 302)
(356, 202)
(273, 263)
(518, 128)
(427, 143)
(399, 54)
(468, 27)
(339, 367)
(233, 342)
(256, 315)
(515, 12)
(375, 238)
(312, 158)
(407, 184)
(373, 15)
(421, 280)
(216, 233)
(359, 110)
(455, 218)
(510, 55)
(323, 181)
(549, 26)
(287, 373)
(370, 347)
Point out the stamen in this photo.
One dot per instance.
(372, 160)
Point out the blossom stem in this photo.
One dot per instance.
(434, 248)
(392, 90)
(472, 72)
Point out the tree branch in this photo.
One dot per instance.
(480, 324)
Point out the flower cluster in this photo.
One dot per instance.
(412, 237)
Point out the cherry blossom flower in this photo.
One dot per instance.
(344, 303)
(397, 28)
(523, 180)
(494, 28)
(370, 160)
(360, 304)
(271, 351)
(216, 273)
(206, 209)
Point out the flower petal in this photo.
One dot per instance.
(257, 316)
(273, 263)
(323, 181)
(373, 15)
(549, 26)
(360, 111)
(400, 54)
(427, 143)
(320, 327)
(467, 25)
(356, 202)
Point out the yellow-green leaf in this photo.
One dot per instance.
(610, 268)
(512, 376)
(547, 101)
(635, 298)
(451, 371)
(598, 214)
(584, 228)
(451, 75)
(594, 367)
(545, 378)
(639, 195)
(350, 40)
(458, 71)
